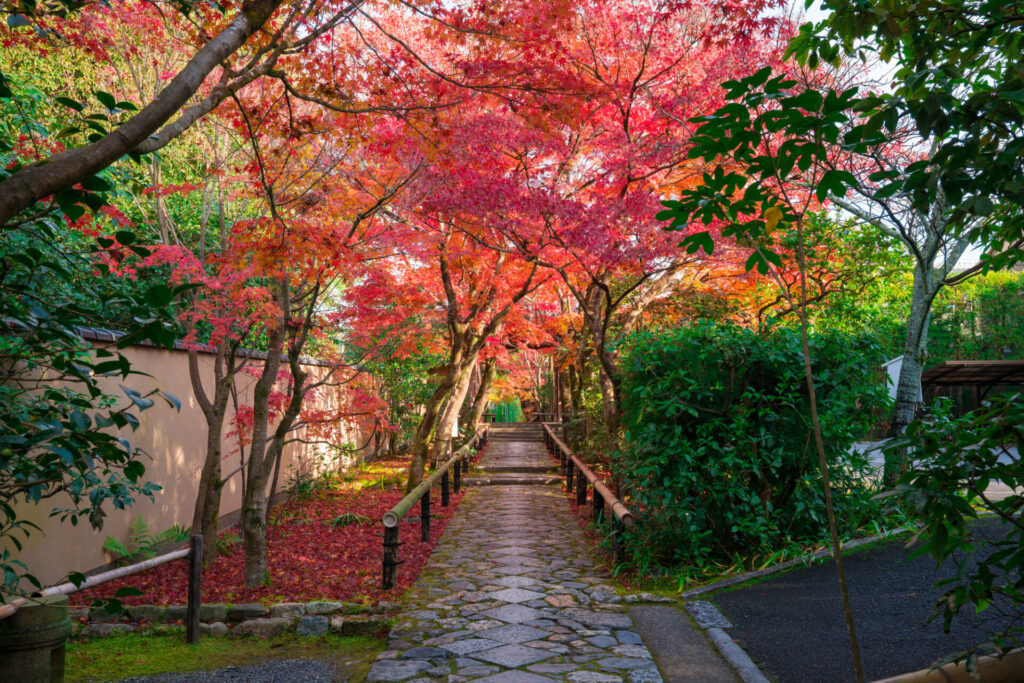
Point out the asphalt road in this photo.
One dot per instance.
(792, 624)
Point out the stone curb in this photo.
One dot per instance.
(714, 623)
(782, 566)
(312, 619)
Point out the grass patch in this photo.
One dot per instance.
(134, 654)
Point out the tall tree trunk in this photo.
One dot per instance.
(254, 506)
(480, 400)
(565, 388)
(908, 388)
(431, 413)
(450, 416)
(207, 508)
(576, 390)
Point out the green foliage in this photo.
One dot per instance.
(404, 383)
(719, 456)
(959, 78)
(955, 461)
(303, 484)
(508, 411)
(61, 432)
(347, 518)
(142, 543)
(227, 542)
(979, 319)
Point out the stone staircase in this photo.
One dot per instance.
(515, 455)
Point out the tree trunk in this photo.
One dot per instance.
(908, 388)
(254, 506)
(609, 403)
(207, 508)
(431, 413)
(450, 415)
(565, 386)
(480, 400)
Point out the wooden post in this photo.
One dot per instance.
(390, 556)
(464, 464)
(457, 473)
(581, 489)
(425, 517)
(598, 506)
(195, 583)
(444, 489)
(569, 470)
(618, 552)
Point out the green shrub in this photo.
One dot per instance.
(719, 457)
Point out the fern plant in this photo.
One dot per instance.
(142, 543)
(347, 518)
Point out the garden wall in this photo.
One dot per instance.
(176, 443)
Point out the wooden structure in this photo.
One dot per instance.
(577, 477)
(981, 373)
(194, 554)
(457, 465)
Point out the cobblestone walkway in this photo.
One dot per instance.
(513, 595)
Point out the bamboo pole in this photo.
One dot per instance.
(582, 471)
(95, 580)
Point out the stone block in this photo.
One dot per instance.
(100, 615)
(312, 626)
(322, 608)
(151, 614)
(217, 628)
(213, 612)
(288, 610)
(261, 628)
(246, 612)
(364, 625)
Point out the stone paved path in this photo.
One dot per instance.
(513, 595)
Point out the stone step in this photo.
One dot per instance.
(517, 437)
(517, 468)
(511, 479)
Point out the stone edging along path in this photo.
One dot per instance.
(307, 619)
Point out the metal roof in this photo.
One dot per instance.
(975, 372)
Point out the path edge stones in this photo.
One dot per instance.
(714, 623)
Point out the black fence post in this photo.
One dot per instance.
(390, 556)
(598, 506)
(425, 516)
(457, 474)
(195, 584)
(569, 470)
(444, 488)
(581, 489)
(618, 551)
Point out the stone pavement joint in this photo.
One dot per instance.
(512, 593)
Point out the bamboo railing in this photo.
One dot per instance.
(194, 553)
(460, 461)
(577, 477)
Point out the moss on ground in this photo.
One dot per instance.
(134, 654)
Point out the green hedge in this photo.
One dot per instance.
(719, 456)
